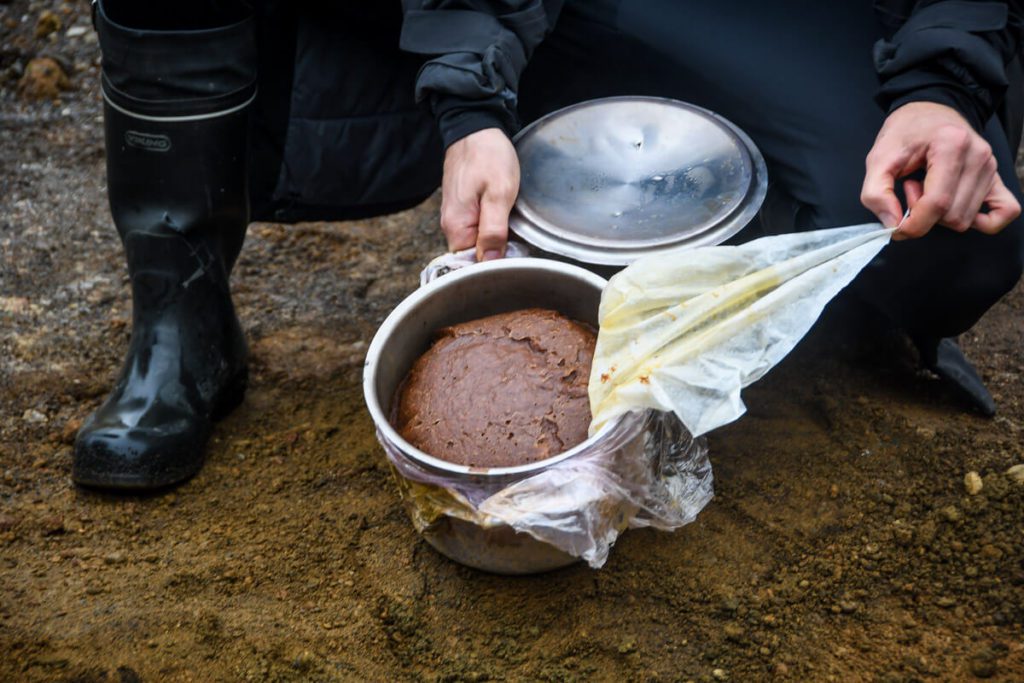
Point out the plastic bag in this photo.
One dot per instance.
(645, 471)
(686, 333)
(680, 334)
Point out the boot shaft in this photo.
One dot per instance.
(177, 94)
(177, 173)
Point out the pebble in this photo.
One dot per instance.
(53, 525)
(983, 666)
(1016, 473)
(304, 661)
(43, 79)
(116, 557)
(47, 24)
(76, 31)
(848, 606)
(719, 674)
(33, 416)
(990, 551)
(733, 631)
(950, 513)
(973, 483)
(70, 431)
(946, 602)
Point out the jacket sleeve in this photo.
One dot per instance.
(952, 52)
(479, 49)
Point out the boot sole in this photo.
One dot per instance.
(230, 398)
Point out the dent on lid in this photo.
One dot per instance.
(620, 177)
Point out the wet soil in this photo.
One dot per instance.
(842, 544)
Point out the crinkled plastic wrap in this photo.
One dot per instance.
(686, 332)
(643, 470)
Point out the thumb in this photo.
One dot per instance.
(492, 230)
(878, 195)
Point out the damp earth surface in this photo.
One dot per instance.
(848, 539)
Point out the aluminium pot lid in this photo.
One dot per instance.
(610, 180)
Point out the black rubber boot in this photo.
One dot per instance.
(945, 359)
(177, 181)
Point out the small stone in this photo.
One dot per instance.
(626, 646)
(93, 589)
(7, 523)
(116, 557)
(43, 79)
(719, 674)
(53, 525)
(848, 606)
(973, 483)
(833, 491)
(733, 631)
(990, 551)
(983, 665)
(33, 416)
(1016, 473)
(76, 31)
(128, 675)
(950, 513)
(48, 23)
(70, 431)
(804, 583)
(946, 602)
(926, 433)
(304, 661)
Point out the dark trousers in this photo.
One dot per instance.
(797, 76)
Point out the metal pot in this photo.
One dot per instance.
(432, 487)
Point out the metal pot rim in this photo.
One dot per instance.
(392, 324)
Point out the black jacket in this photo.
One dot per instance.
(341, 128)
(955, 52)
(337, 131)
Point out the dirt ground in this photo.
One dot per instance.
(841, 545)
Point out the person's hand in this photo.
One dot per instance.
(481, 181)
(960, 174)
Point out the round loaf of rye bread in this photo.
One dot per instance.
(500, 391)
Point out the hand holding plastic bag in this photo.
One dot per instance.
(685, 332)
